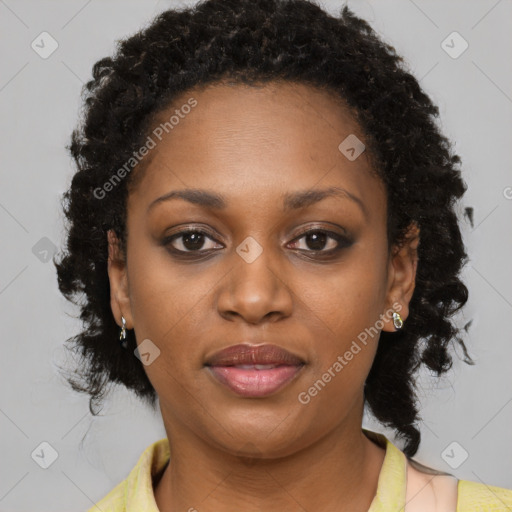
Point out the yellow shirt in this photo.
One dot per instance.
(135, 493)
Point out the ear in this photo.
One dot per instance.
(401, 277)
(117, 274)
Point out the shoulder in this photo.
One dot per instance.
(114, 501)
(428, 490)
(476, 496)
(136, 491)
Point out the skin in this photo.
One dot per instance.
(252, 145)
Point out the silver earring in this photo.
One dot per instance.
(122, 335)
(397, 320)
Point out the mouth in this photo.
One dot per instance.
(254, 370)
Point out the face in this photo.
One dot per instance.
(257, 258)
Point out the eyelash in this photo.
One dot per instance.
(342, 241)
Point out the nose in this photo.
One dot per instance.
(256, 291)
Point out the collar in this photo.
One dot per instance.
(391, 486)
(136, 493)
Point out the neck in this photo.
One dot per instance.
(338, 472)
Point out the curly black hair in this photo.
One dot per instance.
(257, 42)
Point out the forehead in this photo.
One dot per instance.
(267, 139)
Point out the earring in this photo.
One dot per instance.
(122, 335)
(397, 320)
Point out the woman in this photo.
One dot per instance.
(263, 214)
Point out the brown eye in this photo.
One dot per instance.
(195, 242)
(321, 241)
(189, 241)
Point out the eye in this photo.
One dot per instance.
(191, 240)
(316, 240)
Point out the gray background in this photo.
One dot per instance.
(39, 104)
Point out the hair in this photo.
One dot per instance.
(257, 42)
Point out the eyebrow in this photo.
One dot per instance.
(291, 200)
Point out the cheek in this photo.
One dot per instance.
(346, 337)
(347, 299)
(343, 315)
(166, 306)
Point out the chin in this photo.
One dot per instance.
(260, 434)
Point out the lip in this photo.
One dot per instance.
(254, 370)
(245, 353)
